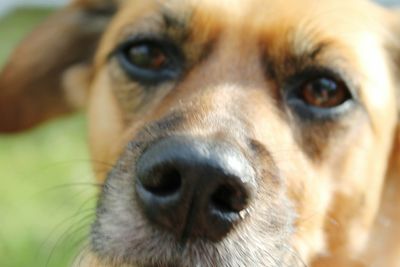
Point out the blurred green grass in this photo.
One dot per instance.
(46, 196)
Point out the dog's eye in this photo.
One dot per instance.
(324, 92)
(316, 95)
(150, 62)
(147, 57)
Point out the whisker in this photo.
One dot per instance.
(81, 255)
(74, 229)
(79, 212)
(70, 185)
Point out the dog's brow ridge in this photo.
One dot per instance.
(172, 20)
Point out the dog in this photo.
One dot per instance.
(226, 133)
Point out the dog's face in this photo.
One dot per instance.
(244, 133)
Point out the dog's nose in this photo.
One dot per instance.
(194, 188)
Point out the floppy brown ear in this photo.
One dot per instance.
(47, 74)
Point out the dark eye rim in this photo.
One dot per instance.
(309, 112)
(171, 71)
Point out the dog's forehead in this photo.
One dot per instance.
(251, 11)
(248, 19)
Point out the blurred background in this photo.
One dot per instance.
(47, 195)
(47, 192)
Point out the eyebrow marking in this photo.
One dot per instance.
(171, 20)
(318, 49)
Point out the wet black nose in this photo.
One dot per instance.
(194, 188)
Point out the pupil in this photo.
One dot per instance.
(147, 57)
(140, 55)
(324, 90)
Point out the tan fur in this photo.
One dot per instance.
(342, 178)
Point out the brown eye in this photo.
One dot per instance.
(150, 62)
(324, 93)
(147, 57)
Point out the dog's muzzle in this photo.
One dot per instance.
(194, 188)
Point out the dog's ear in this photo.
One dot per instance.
(49, 72)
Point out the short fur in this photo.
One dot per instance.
(328, 192)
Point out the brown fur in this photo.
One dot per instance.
(329, 192)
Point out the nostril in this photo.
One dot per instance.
(227, 198)
(194, 188)
(164, 182)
